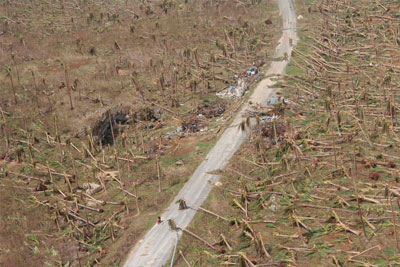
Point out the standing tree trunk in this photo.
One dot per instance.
(12, 85)
(68, 86)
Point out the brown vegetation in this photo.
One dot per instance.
(92, 95)
(319, 186)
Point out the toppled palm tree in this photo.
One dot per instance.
(172, 225)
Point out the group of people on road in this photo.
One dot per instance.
(182, 206)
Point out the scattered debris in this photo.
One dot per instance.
(274, 205)
(219, 184)
(242, 84)
(269, 118)
(147, 114)
(271, 130)
(91, 203)
(192, 126)
(234, 91)
(211, 111)
(252, 71)
(179, 129)
(275, 100)
(270, 110)
(91, 188)
(199, 123)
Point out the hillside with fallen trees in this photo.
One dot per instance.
(317, 184)
(106, 108)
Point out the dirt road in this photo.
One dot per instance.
(156, 247)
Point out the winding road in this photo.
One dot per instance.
(156, 247)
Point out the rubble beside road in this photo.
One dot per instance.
(234, 91)
(270, 110)
(242, 85)
(211, 111)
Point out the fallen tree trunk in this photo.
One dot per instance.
(199, 238)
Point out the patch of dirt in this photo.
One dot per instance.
(70, 66)
(185, 146)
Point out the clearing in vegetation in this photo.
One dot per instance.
(318, 182)
(106, 108)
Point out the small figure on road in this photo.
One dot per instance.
(159, 220)
(182, 204)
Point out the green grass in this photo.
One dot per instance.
(292, 69)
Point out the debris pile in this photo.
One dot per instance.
(147, 114)
(268, 115)
(198, 121)
(251, 72)
(270, 110)
(234, 91)
(211, 111)
(242, 84)
(272, 131)
(192, 126)
(276, 100)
